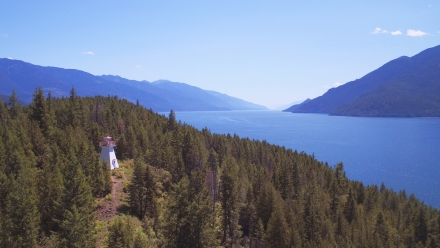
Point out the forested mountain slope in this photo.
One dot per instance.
(414, 93)
(160, 96)
(406, 86)
(190, 188)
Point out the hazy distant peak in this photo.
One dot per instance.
(161, 81)
(161, 95)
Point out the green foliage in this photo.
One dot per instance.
(190, 188)
(142, 191)
(22, 216)
(121, 232)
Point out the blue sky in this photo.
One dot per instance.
(266, 52)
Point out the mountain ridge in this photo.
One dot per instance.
(382, 91)
(24, 78)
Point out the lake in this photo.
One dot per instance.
(404, 153)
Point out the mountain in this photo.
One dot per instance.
(161, 95)
(284, 106)
(191, 97)
(404, 87)
(296, 106)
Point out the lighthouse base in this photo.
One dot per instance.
(108, 155)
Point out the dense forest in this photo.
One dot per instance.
(188, 188)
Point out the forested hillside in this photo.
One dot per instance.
(189, 188)
(403, 87)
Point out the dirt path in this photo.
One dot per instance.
(110, 208)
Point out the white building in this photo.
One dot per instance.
(108, 152)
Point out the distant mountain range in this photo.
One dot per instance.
(404, 87)
(296, 106)
(160, 95)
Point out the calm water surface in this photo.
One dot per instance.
(404, 153)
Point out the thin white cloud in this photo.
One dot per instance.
(138, 66)
(415, 33)
(5, 35)
(10, 58)
(396, 32)
(379, 31)
(88, 53)
(337, 84)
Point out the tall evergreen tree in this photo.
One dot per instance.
(23, 218)
(78, 218)
(142, 190)
(277, 233)
(229, 199)
(14, 105)
(121, 233)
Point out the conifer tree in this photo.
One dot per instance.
(177, 227)
(421, 228)
(142, 190)
(248, 215)
(14, 106)
(136, 189)
(190, 215)
(277, 233)
(259, 234)
(23, 218)
(121, 232)
(78, 218)
(172, 123)
(73, 114)
(140, 240)
(229, 198)
(213, 166)
(51, 206)
(381, 231)
(40, 112)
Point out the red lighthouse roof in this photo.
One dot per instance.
(107, 141)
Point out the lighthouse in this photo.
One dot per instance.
(108, 152)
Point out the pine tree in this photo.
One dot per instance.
(136, 189)
(421, 228)
(248, 215)
(259, 235)
(350, 210)
(140, 240)
(172, 123)
(23, 218)
(190, 215)
(73, 114)
(41, 113)
(213, 185)
(277, 233)
(381, 231)
(177, 231)
(142, 197)
(51, 207)
(229, 199)
(79, 216)
(14, 106)
(121, 232)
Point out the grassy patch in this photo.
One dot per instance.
(108, 197)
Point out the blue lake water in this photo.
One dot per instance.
(404, 153)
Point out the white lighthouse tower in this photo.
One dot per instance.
(108, 152)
